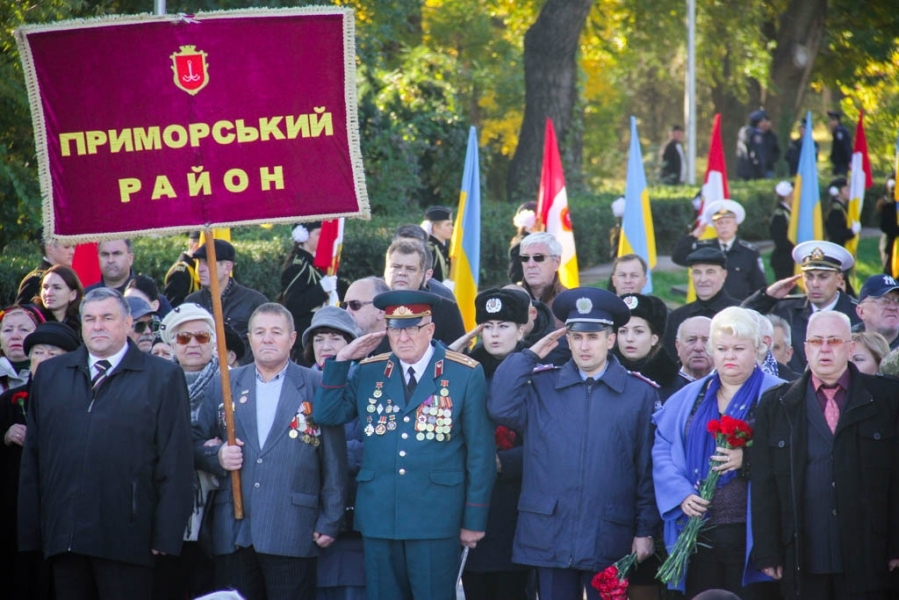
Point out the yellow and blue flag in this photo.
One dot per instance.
(637, 232)
(805, 219)
(465, 247)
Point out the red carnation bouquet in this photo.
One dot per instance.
(612, 582)
(504, 438)
(729, 433)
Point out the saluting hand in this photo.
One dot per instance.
(361, 346)
(465, 340)
(548, 343)
(231, 457)
(780, 289)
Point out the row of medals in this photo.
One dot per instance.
(385, 422)
(434, 422)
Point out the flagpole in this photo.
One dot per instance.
(690, 99)
(159, 7)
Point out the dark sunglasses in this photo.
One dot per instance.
(538, 258)
(353, 304)
(183, 337)
(142, 326)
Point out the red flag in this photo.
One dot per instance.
(86, 263)
(552, 207)
(327, 254)
(714, 186)
(859, 180)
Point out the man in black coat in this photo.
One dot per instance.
(673, 167)
(822, 264)
(825, 469)
(708, 270)
(745, 271)
(107, 472)
(841, 149)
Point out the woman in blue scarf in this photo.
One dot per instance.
(683, 448)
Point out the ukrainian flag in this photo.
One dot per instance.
(805, 219)
(465, 247)
(637, 232)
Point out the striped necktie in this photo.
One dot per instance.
(102, 367)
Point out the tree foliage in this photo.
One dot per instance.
(427, 69)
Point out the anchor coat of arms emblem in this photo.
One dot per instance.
(190, 69)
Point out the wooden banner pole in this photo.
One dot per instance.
(221, 346)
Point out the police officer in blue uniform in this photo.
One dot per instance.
(587, 496)
(428, 461)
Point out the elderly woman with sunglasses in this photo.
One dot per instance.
(683, 449)
(190, 330)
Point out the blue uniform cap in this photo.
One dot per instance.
(590, 309)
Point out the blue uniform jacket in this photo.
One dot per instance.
(587, 485)
(410, 486)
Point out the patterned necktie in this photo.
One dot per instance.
(102, 367)
(412, 384)
(831, 410)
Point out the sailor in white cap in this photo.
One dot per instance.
(745, 272)
(822, 264)
(778, 227)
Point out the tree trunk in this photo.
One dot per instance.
(798, 40)
(550, 75)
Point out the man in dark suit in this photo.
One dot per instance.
(822, 264)
(292, 471)
(107, 475)
(825, 474)
(429, 458)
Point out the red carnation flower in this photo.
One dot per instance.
(504, 438)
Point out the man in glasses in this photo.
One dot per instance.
(541, 255)
(878, 308)
(825, 462)
(144, 323)
(428, 456)
(822, 265)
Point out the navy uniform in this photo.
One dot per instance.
(587, 482)
(812, 255)
(779, 226)
(841, 149)
(745, 271)
(428, 461)
(837, 225)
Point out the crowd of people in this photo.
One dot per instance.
(378, 450)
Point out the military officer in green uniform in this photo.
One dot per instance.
(429, 456)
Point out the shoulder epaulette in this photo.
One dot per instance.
(375, 358)
(542, 368)
(746, 244)
(461, 358)
(644, 378)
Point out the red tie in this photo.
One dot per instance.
(831, 410)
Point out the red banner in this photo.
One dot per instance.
(173, 123)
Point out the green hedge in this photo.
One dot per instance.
(261, 251)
